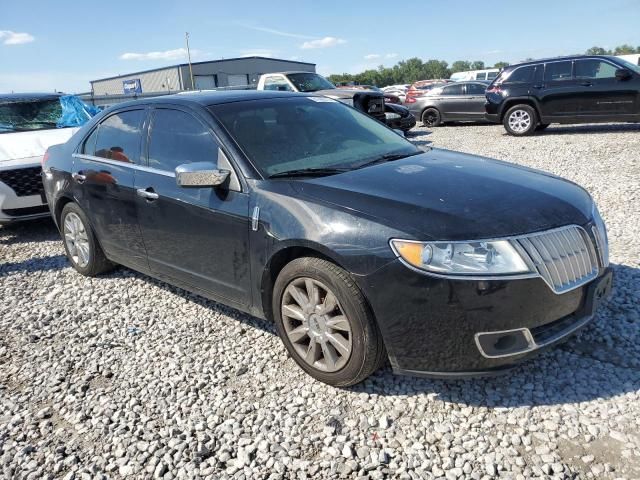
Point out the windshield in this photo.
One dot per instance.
(629, 65)
(310, 82)
(18, 115)
(286, 134)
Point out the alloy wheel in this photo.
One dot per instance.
(316, 325)
(520, 121)
(76, 239)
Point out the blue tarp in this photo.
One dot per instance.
(75, 112)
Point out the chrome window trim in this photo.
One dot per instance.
(505, 277)
(116, 163)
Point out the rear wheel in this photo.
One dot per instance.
(520, 120)
(80, 244)
(431, 117)
(325, 322)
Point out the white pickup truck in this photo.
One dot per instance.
(27, 129)
(368, 101)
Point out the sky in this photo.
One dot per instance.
(62, 45)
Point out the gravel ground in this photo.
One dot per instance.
(125, 377)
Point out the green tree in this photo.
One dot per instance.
(460, 66)
(624, 50)
(501, 65)
(477, 65)
(435, 69)
(597, 51)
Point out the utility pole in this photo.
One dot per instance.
(189, 56)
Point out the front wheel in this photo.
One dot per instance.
(520, 120)
(325, 322)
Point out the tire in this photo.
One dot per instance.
(431, 117)
(80, 244)
(315, 332)
(542, 126)
(520, 120)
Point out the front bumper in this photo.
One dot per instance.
(430, 325)
(19, 206)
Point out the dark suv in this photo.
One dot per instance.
(579, 89)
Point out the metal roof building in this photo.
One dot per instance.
(232, 72)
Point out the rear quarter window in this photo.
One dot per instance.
(521, 75)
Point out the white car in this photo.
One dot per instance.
(27, 129)
(487, 74)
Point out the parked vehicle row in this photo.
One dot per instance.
(296, 208)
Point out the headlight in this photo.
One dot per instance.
(600, 232)
(391, 116)
(462, 258)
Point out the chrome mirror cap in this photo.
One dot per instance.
(200, 174)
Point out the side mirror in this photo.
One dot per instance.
(623, 74)
(200, 175)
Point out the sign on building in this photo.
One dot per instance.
(132, 86)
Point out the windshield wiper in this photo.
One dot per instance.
(309, 172)
(387, 158)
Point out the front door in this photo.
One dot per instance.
(606, 95)
(197, 236)
(452, 102)
(104, 173)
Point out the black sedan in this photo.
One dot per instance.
(358, 245)
(460, 102)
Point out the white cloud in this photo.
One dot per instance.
(257, 52)
(322, 43)
(175, 54)
(275, 32)
(391, 55)
(372, 56)
(9, 37)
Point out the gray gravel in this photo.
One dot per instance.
(126, 377)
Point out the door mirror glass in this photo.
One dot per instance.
(623, 74)
(200, 175)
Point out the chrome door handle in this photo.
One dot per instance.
(78, 177)
(149, 194)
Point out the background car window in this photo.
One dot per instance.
(521, 75)
(453, 90)
(119, 137)
(476, 89)
(594, 69)
(491, 75)
(277, 83)
(557, 71)
(177, 138)
(481, 76)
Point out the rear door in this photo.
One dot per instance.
(197, 236)
(605, 95)
(475, 95)
(103, 176)
(560, 95)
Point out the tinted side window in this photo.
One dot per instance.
(521, 75)
(453, 90)
(89, 146)
(475, 89)
(119, 137)
(557, 71)
(594, 69)
(178, 137)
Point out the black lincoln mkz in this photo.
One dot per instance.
(358, 245)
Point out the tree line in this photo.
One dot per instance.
(414, 69)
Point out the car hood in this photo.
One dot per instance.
(444, 195)
(17, 145)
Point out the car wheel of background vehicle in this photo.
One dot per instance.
(431, 117)
(542, 126)
(325, 322)
(520, 120)
(83, 250)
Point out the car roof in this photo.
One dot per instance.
(559, 59)
(208, 98)
(29, 96)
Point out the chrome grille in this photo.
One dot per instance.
(565, 258)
